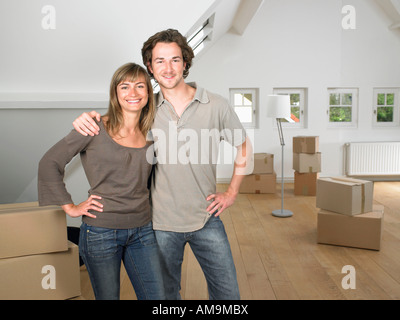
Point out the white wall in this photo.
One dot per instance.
(295, 43)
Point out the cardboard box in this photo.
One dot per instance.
(361, 231)
(306, 162)
(50, 276)
(305, 184)
(305, 144)
(344, 195)
(18, 205)
(259, 183)
(32, 230)
(263, 163)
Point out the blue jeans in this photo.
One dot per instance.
(102, 251)
(211, 247)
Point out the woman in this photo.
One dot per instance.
(116, 219)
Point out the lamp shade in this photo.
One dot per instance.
(278, 106)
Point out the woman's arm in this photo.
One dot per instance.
(51, 186)
(83, 208)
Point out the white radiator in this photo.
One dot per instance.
(372, 158)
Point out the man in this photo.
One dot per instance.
(185, 204)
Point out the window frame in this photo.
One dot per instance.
(255, 105)
(396, 111)
(303, 92)
(354, 107)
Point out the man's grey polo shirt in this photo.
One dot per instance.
(187, 154)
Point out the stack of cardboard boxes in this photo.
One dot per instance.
(37, 262)
(347, 216)
(307, 164)
(263, 177)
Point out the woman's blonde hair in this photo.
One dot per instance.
(114, 117)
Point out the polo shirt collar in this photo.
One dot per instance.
(200, 95)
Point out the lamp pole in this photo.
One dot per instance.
(282, 213)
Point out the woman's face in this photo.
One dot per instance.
(133, 96)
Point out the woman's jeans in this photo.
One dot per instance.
(102, 251)
(211, 247)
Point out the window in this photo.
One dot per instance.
(342, 111)
(244, 101)
(385, 107)
(197, 40)
(298, 105)
(156, 87)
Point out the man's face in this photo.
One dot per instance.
(167, 65)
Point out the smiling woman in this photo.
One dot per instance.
(130, 90)
(116, 218)
(133, 96)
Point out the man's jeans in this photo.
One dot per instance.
(102, 251)
(211, 247)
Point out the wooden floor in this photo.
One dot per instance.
(279, 259)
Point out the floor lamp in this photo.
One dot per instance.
(278, 107)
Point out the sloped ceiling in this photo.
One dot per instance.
(392, 9)
(90, 40)
(245, 14)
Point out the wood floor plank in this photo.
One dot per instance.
(383, 279)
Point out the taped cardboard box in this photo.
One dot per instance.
(307, 163)
(50, 276)
(32, 230)
(305, 184)
(344, 195)
(305, 144)
(259, 183)
(360, 231)
(263, 163)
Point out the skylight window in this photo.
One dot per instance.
(196, 41)
(199, 37)
(156, 87)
